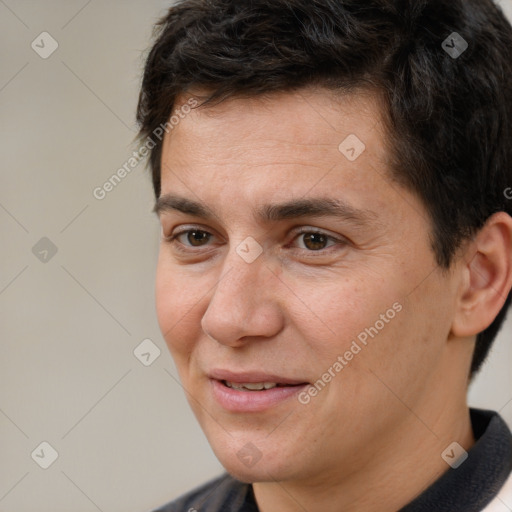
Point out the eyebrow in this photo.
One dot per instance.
(170, 202)
(314, 207)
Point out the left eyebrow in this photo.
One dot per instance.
(319, 207)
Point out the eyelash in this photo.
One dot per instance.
(172, 239)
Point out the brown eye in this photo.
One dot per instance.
(315, 241)
(197, 238)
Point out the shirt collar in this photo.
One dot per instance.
(474, 484)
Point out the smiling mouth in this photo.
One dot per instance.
(257, 386)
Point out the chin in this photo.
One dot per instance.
(260, 472)
(247, 476)
(246, 462)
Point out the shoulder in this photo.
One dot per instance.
(222, 494)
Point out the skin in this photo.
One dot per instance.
(372, 438)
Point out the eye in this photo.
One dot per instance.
(196, 238)
(191, 237)
(315, 241)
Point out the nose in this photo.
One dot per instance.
(244, 305)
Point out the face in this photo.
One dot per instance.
(290, 257)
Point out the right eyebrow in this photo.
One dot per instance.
(170, 202)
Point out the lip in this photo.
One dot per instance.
(252, 376)
(252, 401)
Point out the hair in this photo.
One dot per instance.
(448, 117)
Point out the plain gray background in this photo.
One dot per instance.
(70, 321)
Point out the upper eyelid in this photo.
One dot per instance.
(312, 229)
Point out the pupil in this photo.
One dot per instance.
(197, 238)
(315, 241)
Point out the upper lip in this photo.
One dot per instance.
(252, 377)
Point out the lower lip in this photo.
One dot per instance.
(252, 401)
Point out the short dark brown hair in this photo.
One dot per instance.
(449, 107)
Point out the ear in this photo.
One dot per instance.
(486, 276)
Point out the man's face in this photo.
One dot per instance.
(295, 261)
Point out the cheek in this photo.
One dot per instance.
(344, 311)
(165, 301)
(177, 308)
(407, 350)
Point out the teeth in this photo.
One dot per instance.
(251, 386)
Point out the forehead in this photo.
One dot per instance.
(309, 115)
(302, 127)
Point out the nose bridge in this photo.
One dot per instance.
(241, 304)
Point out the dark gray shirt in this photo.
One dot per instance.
(469, 488)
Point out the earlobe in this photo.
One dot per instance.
(486, 277)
